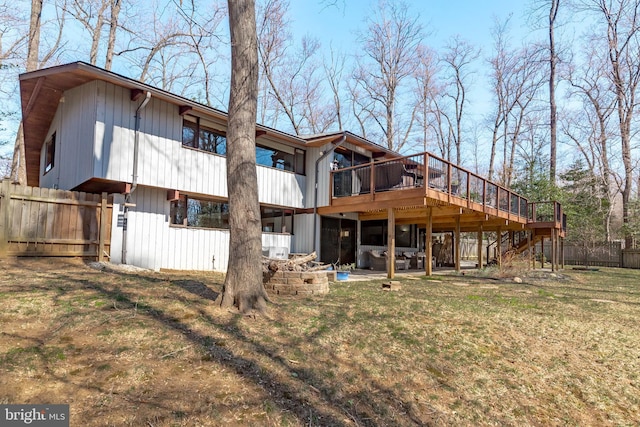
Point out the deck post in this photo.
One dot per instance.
(541, 251)
(480, 248)
(530, 248)
(499, 247)
(562, 252)
(457, 243)
(391, 243)
(554, 244)
(428, 248)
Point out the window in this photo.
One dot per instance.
(346, 158)
(199, 213)
(197, 135)
(193, 212)
(276, 220)
(49, 153)
(375, 233)
(281, 159)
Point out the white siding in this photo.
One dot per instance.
(152, 243)
(303, 233)
(163, 161)
(73, 124)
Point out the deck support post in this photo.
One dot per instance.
(541, 251)
(499, 247)
(457, 244)
(391, 243)
(428, 248)
(554, 245)
(480, 248)
(530, 249)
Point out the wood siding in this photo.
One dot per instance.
(74, 124)
(153, 243)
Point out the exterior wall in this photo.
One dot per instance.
(163, 161)
(303, 234)
(152, 243)
(73, 124)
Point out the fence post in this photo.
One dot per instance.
(5, 192)
(103, 226)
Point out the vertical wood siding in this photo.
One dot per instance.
(74, 125)
(152, 243)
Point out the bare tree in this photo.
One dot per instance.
(553, 114)
(424, 92)
(590, 128)
(290, 73)
(389, 44)
(458, 57)
(516, 80)
(619, 26)
(18, 165)
(333, 70)
(243, 286)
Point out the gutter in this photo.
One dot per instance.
(315, 197)
(134, 182)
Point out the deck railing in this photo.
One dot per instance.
(426, 170)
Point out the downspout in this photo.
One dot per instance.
(315, 197)
(134, 182)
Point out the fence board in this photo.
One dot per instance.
(46, 222)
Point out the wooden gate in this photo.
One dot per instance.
(46, 222)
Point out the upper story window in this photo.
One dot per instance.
(284, 158)
(49, 153)
(196, 134)
(344, 158)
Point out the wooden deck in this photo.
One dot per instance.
(427, 190)
(450, 194)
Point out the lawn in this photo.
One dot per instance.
(152, 349)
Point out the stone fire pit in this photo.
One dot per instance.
(296, 282)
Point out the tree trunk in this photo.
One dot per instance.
(553, 13)
(18, 165)
(113, 27)
(243, 286)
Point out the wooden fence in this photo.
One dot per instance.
(602, 255)
(631, 258)
(46, 222)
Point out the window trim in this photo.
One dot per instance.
(198, 127)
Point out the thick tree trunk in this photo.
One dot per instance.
(243, 284)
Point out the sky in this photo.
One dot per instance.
(337, 26)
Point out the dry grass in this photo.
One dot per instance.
(151, 349)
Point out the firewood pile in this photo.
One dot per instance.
(296, 263)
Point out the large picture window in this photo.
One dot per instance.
(197, 135)
(199, 213)
(192, 212)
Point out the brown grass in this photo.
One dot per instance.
(151, 349)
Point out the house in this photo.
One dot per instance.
(163, 158)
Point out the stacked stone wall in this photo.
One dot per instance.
(296, 282)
